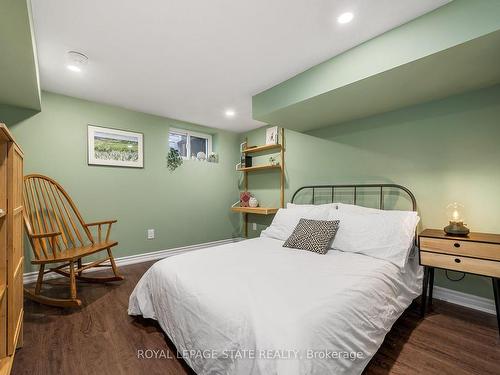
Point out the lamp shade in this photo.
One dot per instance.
(455, 212)
(456, 215)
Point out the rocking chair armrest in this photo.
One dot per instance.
(100, 223)
(43, 235)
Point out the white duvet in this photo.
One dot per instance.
(254, 307)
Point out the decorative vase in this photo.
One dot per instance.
(201, 156)
(253, 202)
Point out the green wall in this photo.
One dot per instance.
(19, 81)
(443, 151)
(187, 206)
(12, 115)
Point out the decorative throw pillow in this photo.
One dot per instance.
(313, 235)
(285, 220)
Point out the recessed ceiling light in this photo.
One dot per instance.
(230, 113)
(75, 61)
(73, 68)
(345, 17)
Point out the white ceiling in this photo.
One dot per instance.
(192, 59)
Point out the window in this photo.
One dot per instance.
(189, 143)
(178, 141)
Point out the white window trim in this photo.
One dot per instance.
(190, 134)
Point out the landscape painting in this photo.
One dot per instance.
(114, 147)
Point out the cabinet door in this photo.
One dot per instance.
(15, 249)
(3, 248)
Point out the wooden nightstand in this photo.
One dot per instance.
(478, 253)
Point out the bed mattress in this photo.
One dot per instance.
(254, 307)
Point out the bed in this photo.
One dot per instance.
(255, 307)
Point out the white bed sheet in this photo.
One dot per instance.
(254, 307)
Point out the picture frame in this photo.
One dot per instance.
(114, 147)
(272, 136)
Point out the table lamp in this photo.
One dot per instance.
(455, 213)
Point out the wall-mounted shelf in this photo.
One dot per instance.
(279, 147)
(255, 210)
(259, 167)
(262, 148)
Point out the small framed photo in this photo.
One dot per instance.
(272, 135)
(114, 147)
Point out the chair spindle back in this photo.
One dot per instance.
(49, 209)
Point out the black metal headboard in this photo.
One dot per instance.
(382, 190)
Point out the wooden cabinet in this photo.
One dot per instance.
(11, 249)
(3, 246)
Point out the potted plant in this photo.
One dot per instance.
(174, 159)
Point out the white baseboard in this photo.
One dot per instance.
(464, 299)
(30, 277)
(448, 295)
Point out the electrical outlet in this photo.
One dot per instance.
(151, 234)
(254, 226)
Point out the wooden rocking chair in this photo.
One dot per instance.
(59, 237)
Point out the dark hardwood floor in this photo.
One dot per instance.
(101, 338)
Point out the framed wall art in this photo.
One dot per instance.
(114, 147)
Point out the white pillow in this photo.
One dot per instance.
(380, 234)
(360, 209)
(334, 206)
(365, 210)
(286, 220)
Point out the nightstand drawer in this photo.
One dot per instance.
(461, 248)
(458, 263)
